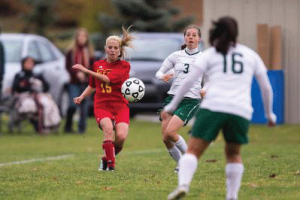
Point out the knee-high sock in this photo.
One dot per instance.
(109, 151)
(181, 145)
(175, 153)
(234, 173)
(187, 168)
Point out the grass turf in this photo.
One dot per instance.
(144, 170)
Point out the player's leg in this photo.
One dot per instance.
(177, 141)
(235, 133)
(188, 162)
(108, 144)
(205, 130)
(185, 111)
(172, 149)
(171, 133)
(234, 170)
(105, 123)
(164, 123)
(188, 166)
(121, 135)
(122, 126)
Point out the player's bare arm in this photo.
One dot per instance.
(88, 91)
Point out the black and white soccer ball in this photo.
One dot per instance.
(133, 89)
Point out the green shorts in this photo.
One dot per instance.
(208, 124)
(186, 109)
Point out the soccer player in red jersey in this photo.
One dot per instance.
(110, 107)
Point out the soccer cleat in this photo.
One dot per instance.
(110, 169)
(103, 164)
(179, 192)
(110, 166)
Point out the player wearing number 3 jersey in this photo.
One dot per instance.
(227, 105)
(110, 107)
(180, 62)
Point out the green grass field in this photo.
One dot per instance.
(65, 166)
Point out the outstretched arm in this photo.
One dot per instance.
(101, 77)
(184, 87)
(87, 92)
(267, 95)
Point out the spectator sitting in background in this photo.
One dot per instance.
(27, 81)
(31, 99)
(80, 52)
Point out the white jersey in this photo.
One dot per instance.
(230, 78)
(181, 62)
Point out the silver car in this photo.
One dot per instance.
(50, 62)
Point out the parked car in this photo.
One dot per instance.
(50, 62)
(146, 57)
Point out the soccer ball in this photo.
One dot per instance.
(133, 89)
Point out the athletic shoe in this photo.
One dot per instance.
(110, 169)
(110, 166)
(103, 164)
(179, 192)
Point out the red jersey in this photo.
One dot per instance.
(117, 72)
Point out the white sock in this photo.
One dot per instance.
(187, 168)
(181, 145)
(234, 172)
(175, 153)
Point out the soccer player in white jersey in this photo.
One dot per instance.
(179, 63)
(226, 106)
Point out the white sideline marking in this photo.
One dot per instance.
(36, 160)
(149, 151)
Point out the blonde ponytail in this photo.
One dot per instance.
(125, 41)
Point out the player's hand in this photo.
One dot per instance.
(79, 67)
(167, 77)
(164, 115)
(78, 100)
(271, 124)
(202, 93)
(272, 120)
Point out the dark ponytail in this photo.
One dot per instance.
(223, 34)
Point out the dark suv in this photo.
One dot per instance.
(148, 53)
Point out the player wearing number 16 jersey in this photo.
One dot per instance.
(227, 105)
(110, 107)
